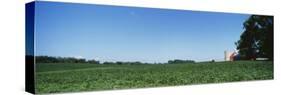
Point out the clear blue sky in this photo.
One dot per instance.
(110, 33)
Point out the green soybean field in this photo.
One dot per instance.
(72, 77)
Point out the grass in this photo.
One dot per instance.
(63, 77)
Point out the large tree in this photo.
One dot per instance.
(257, 38)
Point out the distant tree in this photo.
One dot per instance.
(45, 59)
(137, 62)
(212, 60)
(50, 59)
(93, 61)
(178, 61)
(108, 62)
(257, 38)
(81, 60)
(119, 62)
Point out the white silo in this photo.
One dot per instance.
(227, 55)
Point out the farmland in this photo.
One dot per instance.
(72, 77)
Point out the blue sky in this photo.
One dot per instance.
(110, 33)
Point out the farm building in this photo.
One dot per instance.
(234, 55)
(231, 55)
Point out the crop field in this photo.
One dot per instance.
(72, 77)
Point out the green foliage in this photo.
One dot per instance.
(51, 59)
(93, 61)
(108, 62)
(70, 77)
(178, 61)
(257, 38)
(119, 63)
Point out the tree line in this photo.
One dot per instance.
(178, 61)
(52, 59)
(257, 38)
